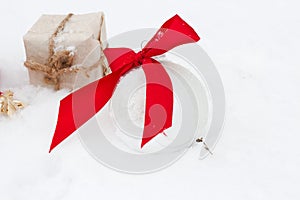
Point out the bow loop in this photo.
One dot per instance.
(172, 33)
(119, 57)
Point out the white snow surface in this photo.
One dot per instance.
(255, 46)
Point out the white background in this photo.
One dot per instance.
(255, 46)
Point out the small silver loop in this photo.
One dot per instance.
(143, 44)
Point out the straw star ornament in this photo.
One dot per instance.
(8, 105)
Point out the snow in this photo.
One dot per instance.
(255, 46)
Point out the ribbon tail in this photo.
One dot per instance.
(78, 107)
(159, 100)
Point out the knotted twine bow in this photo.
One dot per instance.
(80, 106)
(58, 63)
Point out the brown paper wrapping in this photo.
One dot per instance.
(81, 38)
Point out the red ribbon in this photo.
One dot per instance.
(80, 106)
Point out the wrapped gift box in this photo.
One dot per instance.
(65, 51)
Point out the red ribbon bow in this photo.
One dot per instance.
(80, 106)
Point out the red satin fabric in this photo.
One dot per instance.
(80, 106)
